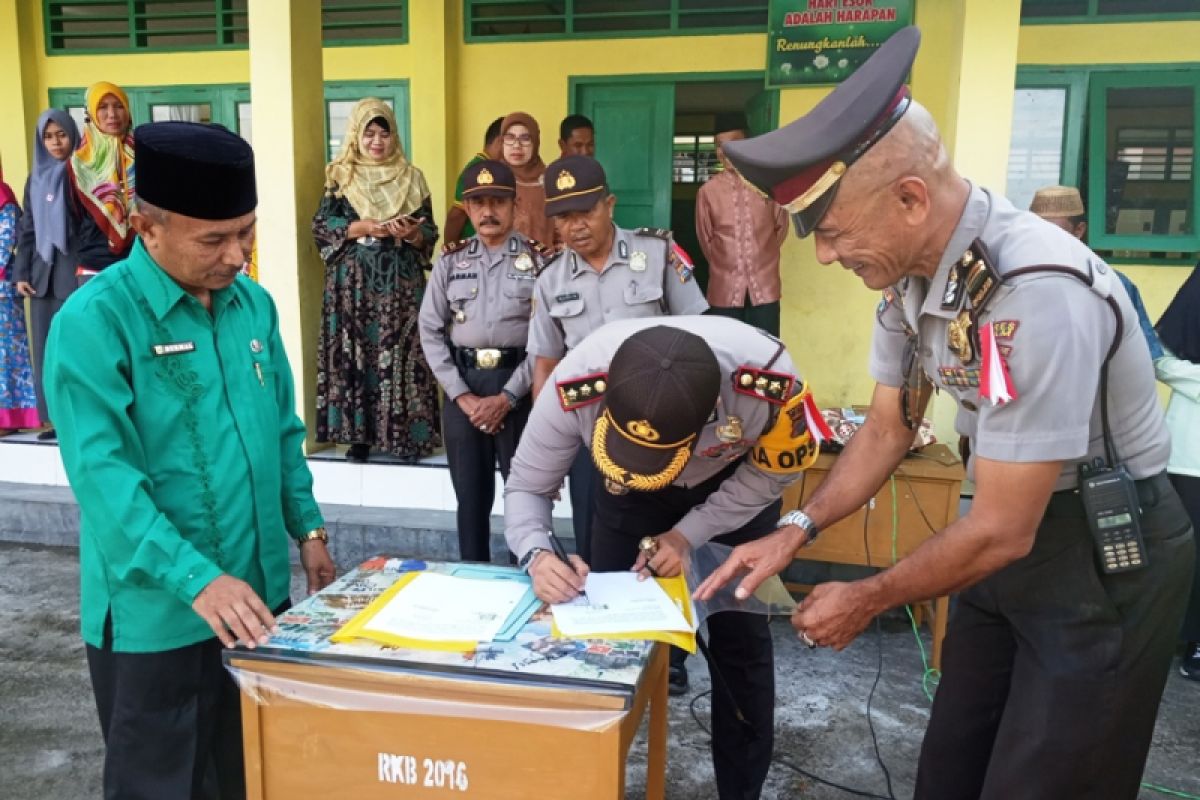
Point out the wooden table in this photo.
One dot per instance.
(927, 487)
(535, 717)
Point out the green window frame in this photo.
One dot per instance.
(1084, 115)
(1095, 11)
(395, 90)
(1099, 237)
(135, 26)
(577, 19)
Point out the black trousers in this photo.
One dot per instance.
(765, 316)
(1052, 672)
(171, 721)
(583, 483)
(1188, 487)
(474, 455)
(743, 663)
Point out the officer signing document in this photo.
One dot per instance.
(696, 425)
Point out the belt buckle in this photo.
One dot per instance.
(487, 358)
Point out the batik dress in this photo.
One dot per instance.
(18, 402)
(373, 384)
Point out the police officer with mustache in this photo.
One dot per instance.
(473, 323)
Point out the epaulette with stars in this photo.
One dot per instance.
(545, 254)
(773, 387)
(575, 393)
(454, 247)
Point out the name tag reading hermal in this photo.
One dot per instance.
(174, 348)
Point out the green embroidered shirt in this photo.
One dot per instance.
(180, 438)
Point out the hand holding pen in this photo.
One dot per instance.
(558, 578)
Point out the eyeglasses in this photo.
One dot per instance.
(914, 395)
(524, 139)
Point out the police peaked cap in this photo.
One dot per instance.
(800, 164)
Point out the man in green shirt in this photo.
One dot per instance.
(176, 415)
(458, 226)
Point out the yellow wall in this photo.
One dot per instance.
(456, 89)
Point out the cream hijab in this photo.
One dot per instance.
(378, 190)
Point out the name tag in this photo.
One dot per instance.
(464, 276)
(566, 298)
(174, 348)
(520, 276)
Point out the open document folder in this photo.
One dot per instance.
(619, 606)
(430, 611)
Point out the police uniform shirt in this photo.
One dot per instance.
(1053, 332)
(643, 278)
(553, 435)
(476, 298)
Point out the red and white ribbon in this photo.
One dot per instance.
(995, 384)
(815, 420)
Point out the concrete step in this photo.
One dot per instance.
(49, 515)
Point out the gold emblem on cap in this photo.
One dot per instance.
(637, 261)
(523, 263)
(615, 488)
(642, 429)
(565, 181)
(484, 178)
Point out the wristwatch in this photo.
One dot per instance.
(527, 560)
(804, 521)
(511, 398)
(315, 533)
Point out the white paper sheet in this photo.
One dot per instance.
(617, 602)
(441, 608)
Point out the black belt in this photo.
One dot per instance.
(488, 357)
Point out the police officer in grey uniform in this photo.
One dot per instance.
(1059, 648)
(697, 424)
(605, 273)
(474, 322)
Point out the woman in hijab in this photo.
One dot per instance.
(521, 140)
(1179, 332)
(375, 232)
(18, 404)
(102, 171)
(54, 237)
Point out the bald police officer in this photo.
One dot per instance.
(697, 424)
(474, 322)
(1059, 648)
(604, 273)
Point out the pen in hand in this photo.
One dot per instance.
(561, 554)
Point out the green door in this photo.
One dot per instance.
(762, 112)
(634, 123)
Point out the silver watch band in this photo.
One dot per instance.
(802, 520)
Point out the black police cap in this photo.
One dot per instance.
(800, 164)
(193, 169)
(573, 183)
(663, 384)
(489, 178)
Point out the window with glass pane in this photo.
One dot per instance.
(694, 159)
(1082, 10)
(1149, 181)
(244, 126)
(553, 19)
(1035, 151)
(181, 112)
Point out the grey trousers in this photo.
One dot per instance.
(41, 314)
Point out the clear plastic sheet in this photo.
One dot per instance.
(772, 598)
(341, 686)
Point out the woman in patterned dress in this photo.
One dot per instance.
(18, 403)
(375, 232)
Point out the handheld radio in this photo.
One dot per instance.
(1110, 501)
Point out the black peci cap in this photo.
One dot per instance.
(573, 183)
(663, 384)
(800, 164)
(489, 178)
(193, 169)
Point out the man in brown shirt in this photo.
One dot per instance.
(740, 233)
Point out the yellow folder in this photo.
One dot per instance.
(677, 589)
(356, 628)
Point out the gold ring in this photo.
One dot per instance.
(648, 545)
